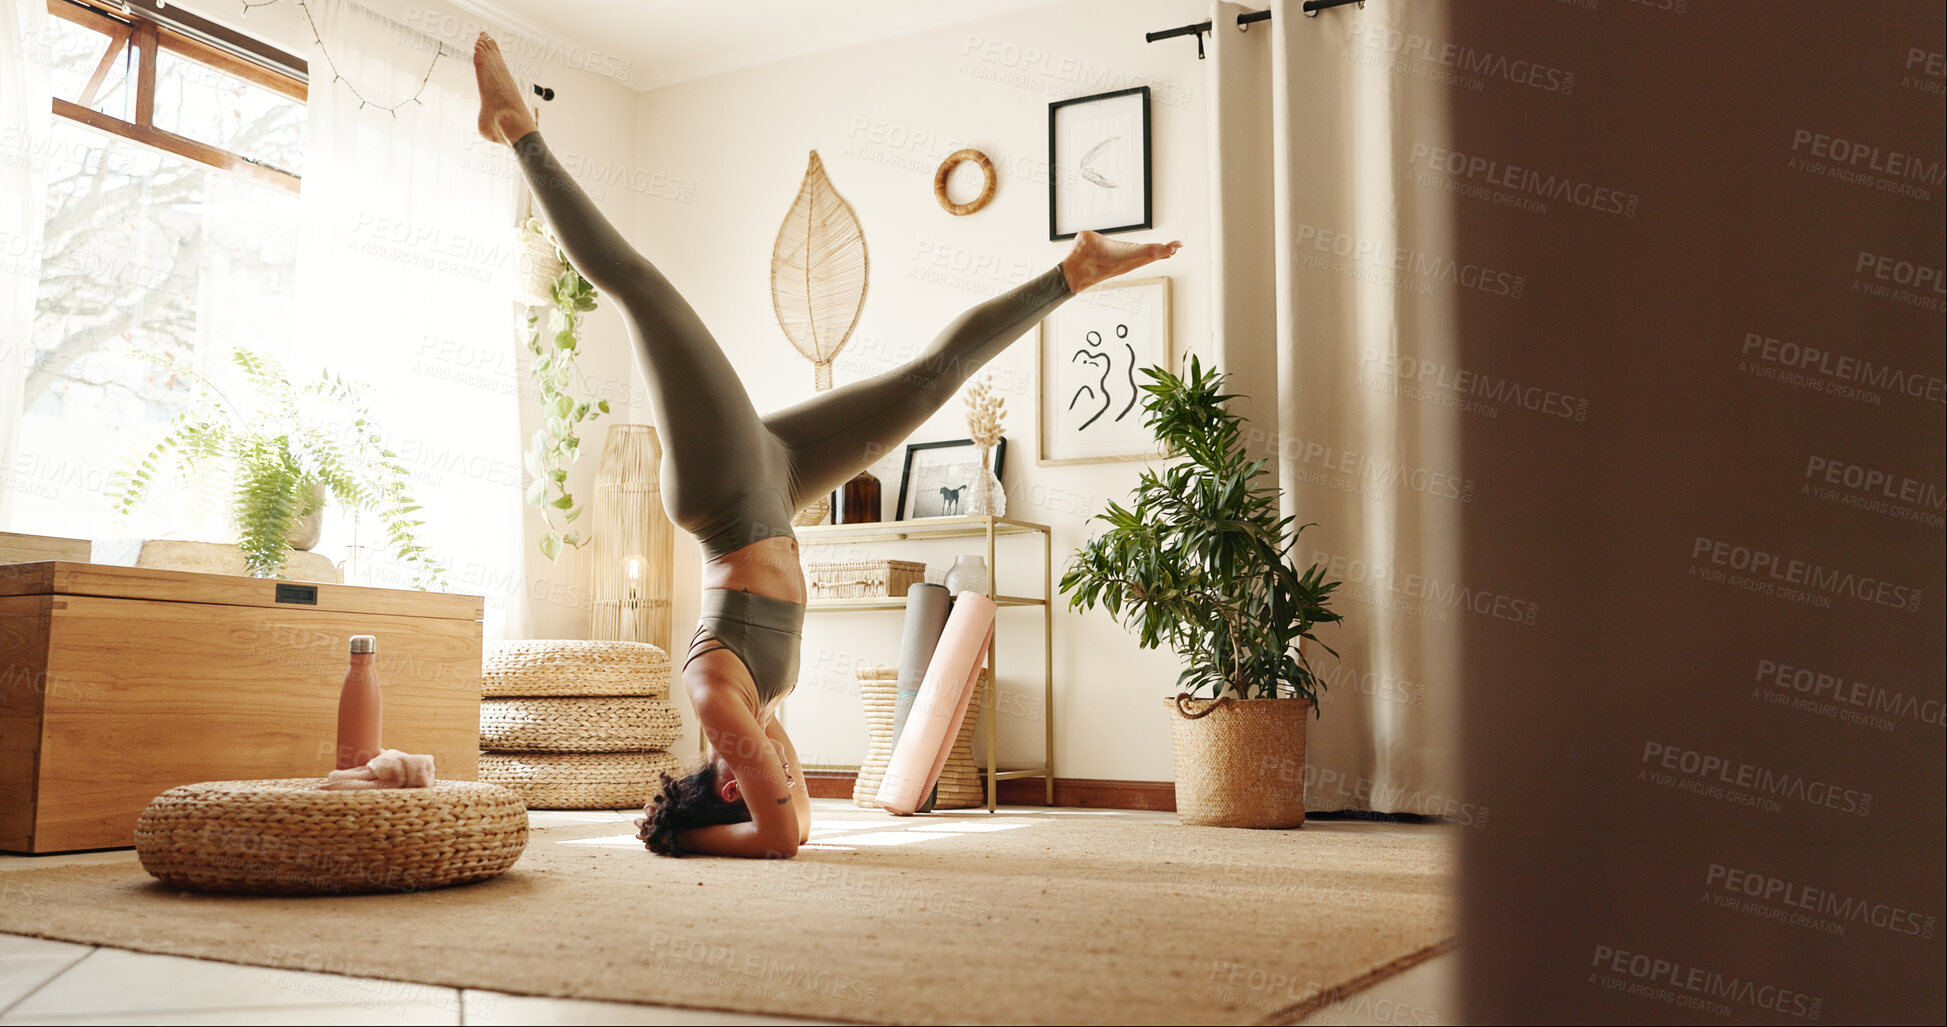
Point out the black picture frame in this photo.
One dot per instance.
(1055, 165)
(906, 471)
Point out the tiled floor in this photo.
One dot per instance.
(51, 982)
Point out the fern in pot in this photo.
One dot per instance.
(291, 449)
(1201, 562)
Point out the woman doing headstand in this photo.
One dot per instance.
(733, 479)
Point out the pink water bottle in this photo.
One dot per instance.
(358, 706)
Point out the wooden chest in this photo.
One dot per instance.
(119, 683)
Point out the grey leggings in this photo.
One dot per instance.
(730, 476)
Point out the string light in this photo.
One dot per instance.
(439, 50)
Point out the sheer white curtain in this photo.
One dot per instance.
(407, 246)
(25, 115)
(1324, 296)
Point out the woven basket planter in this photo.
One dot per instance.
(961, 786)
(291, 837)
(1239, 762)
(619, 780)
(559, 724)
(573, 667)
(860, 579)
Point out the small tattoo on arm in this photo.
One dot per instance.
(784, 800)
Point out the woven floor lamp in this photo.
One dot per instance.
(632, 540)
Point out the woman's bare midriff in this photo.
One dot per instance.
(768, 567)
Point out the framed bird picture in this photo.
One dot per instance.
(1098, 163)
(939, 475)
(1092, 351)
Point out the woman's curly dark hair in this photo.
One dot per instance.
(685, 802)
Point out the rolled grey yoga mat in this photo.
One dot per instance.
(927, 607)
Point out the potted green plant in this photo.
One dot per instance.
(1201, 562)
(292, 450)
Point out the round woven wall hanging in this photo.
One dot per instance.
(954, 160)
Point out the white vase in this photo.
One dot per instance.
(968, 574)
(986, 498)
(310, 523)
(540, 264)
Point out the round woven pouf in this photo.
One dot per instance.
(604, 780)
(291, 837)
(560, 724)
(573, 667)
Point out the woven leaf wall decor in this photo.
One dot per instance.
(818, 272)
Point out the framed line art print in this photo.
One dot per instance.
(1098, 163)
(1092, 351)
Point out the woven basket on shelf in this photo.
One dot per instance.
(1239, 762)
(961, 786)
(574, 724)
(573, 667)
(291, 837)
(860, 579)
(617, 780)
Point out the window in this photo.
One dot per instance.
(171, 229)
(133, 78)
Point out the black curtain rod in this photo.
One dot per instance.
(1310, 7)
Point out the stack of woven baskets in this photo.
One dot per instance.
(960, 785)
(573, 724)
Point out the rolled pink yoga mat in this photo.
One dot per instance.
(921, 752)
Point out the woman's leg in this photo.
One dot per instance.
(833, 436)
(697, 395)
(715, 446)
(830, 437)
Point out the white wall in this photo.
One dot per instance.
(591, 127)
(729, 152)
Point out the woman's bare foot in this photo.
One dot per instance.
(503, 113)
(1097, 259)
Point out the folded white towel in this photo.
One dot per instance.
(389, 769)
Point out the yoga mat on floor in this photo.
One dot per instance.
(927, 607)
(1044, 916)
(921, 750)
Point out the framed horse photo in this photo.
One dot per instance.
(939, 475)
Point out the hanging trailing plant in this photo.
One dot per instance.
(555, 353)
(291, 449)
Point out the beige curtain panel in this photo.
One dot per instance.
(1317, 144)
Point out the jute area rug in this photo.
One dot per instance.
(1053, 917)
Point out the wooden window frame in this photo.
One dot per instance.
(149, 38)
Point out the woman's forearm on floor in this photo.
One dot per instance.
(745, 841)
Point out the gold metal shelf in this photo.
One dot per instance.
(990, 529)
(899, 603)
(912, 531)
